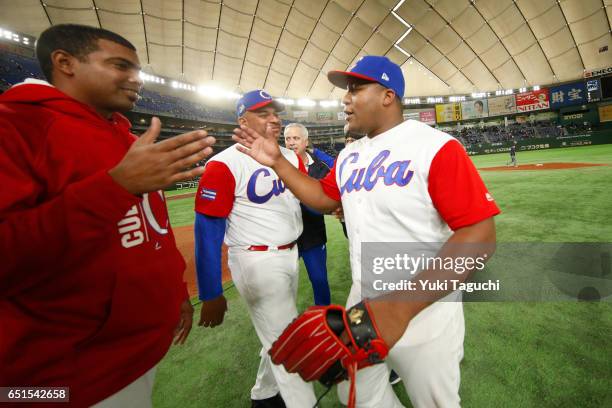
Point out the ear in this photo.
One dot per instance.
(63, 62)
(242, 121)
(388, 97)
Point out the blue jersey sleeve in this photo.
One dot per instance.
(324, 157)
(209, 232)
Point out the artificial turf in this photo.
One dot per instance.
(517, 354)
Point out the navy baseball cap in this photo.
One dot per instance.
(256, 99)
(372, 68)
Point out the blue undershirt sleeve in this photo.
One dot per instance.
(209, 233)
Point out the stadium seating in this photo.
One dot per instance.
(513, 132)
(157, 103)
(15, 68)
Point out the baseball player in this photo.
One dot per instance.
(312, 243)
(246, 204)
(513, 155)
(404, 182)
(91, 282)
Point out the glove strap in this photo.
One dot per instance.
(365, 333)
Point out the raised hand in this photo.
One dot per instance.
(263, 148)
(150, 166)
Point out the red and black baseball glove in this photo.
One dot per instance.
(329, 344)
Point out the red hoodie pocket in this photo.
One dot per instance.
(144, 300)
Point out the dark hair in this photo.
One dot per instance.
(77, 40)
(479, 102)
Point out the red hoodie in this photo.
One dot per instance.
(90, 276)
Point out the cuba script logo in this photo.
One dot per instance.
(277, 187)
(132, 227)
(367, 177)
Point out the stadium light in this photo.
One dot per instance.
(412, 101)
(522, 90)
(327, 104)
(288, 102)
(477, 95)
(306, 102)
(8, 35)
(210, 91)
(536, 87)
(150, 78)
(214, 92)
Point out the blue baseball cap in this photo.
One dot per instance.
(256, 99)
(372, 68)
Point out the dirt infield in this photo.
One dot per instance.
(541, 166)
(184, 242)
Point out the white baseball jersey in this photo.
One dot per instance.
(411, 183)
(260, 210)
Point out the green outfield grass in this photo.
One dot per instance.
(516, 354)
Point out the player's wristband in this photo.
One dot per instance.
(365, 333)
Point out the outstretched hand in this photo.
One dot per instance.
(148, 166)
(262, 148)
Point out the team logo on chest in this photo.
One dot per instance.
(277, 187)
(396, 173)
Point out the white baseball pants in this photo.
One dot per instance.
(426, 357)
(135, 395)
(267, 281)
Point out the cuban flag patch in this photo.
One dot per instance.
(208, 194)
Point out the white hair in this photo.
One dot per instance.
(302, 128)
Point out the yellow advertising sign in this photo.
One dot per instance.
(448, 112)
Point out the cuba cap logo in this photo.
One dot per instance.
(385, 77)
(265, 95)
(241, 109)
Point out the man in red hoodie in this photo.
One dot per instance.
(91, 288)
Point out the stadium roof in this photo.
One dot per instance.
(444, 47)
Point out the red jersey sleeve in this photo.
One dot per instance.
(301, 166)
(329, 185)
(456, 189)
(215, 195)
